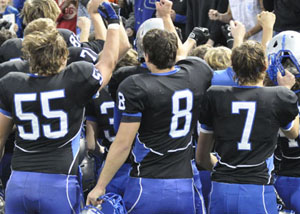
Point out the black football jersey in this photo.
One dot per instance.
(48, 113)
(101, 110)
(81, 54)
(17, 65)
(289, 154)
(11, 49)
(167, 107)
(72, 41)
(95, 45)
(245, 121)
(121, 74)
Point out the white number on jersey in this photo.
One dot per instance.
(88, 52)
(103, 109)
(46, 111)
(179, 113)
(121, 101)
(250, 107)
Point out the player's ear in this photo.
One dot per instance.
(146, 57)
(266, 64)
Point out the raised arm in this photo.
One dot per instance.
(99, 27)
(110, 52)
(163, 11)
(238, 31)
(266, 21)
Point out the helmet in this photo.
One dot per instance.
(283, 48)
(153, 23)
(112, 204)
(88, 169)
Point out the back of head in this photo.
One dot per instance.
(153, 23)
(200, 50)
(249, 62)
(161, 48)
(45, 50)
(284, 53)
(34, 9)
(218, 58)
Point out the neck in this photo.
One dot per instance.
(154, 69)
(259, 83)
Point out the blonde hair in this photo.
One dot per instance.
(45, 50)
(218, 58)
(130, 59)
(200, 51)
(34, 9)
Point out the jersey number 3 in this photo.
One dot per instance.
(46, 111)
(250, 107)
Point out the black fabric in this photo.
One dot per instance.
(156, 100)
(271, 108)
(56, 107)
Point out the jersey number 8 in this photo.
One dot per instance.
(179, 113)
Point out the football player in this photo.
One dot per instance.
(242, 123)
(161, 107)
(47, 108)
(284, 55)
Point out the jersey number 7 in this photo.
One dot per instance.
(250, 106)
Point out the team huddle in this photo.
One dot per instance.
(149, 136)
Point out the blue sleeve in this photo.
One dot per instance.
(180, 19)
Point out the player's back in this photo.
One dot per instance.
(168, 104)
(245, 120)
(289, 150)
(48, 113)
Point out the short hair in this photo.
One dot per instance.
(34, 9)
(45, 50)
(6, 34)
(130, 59)
(218, 58)
(161, 48)
(200, 50)
(249, 62)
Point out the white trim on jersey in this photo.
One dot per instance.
(180, 149)
(24, 150)
(205, 131)
(140, 194)
(288, 127)
(237, 166)
(153, 151)
(292, 158)
(74, 159)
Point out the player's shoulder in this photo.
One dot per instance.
(10, 49)
(194, 62)
(69, 37)
(14, 65)
(79, 66)
(81, 54)
(284, 94)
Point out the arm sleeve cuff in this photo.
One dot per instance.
(288, 127)
(206, 129)
(131, 117)
(5, 113)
